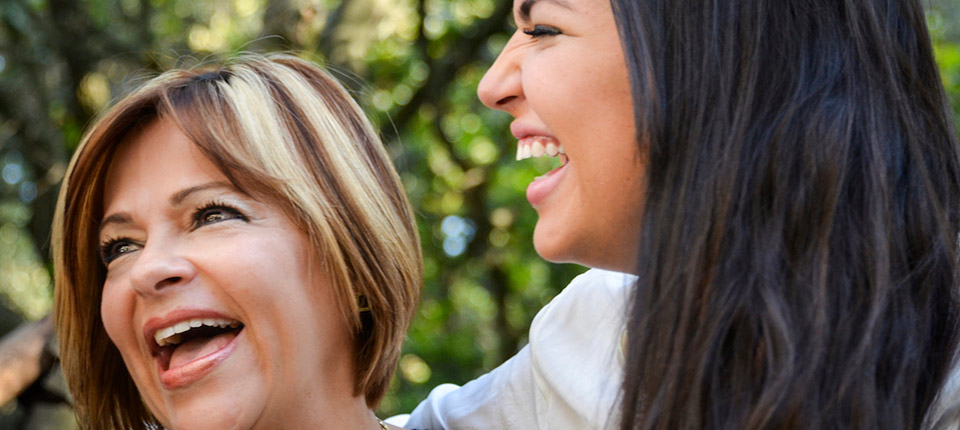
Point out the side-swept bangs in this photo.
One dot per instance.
(281, 130)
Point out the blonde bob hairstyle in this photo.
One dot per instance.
(283, 131)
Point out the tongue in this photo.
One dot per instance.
(197, 348)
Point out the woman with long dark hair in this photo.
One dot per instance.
(783, 178)
(798, 254)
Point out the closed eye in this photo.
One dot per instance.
(539, 31)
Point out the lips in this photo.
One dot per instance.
(187, 345)
(533, 141)
(544, 186)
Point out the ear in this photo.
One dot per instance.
(362, 303)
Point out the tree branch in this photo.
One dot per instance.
(443, 70)
(325, 41)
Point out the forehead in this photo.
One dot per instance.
(157, 158)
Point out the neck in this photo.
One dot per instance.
(318, 412)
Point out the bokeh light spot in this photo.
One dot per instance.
(28, 191)
(471, 123)
(451, 202)
(245, 8)
(459, 232)
(414, 369)
(454, 246)
(94, 91)
(402, 95)
(382, 100)
(483, 151)
(501, 217)
(433, 26)
(12, 173)
(499, 237)
(419, 71)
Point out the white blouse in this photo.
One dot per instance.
(567, 377)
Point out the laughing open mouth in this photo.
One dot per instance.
(189, 340)
(539, 146)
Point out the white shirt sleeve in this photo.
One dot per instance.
(944, 414)
(568, 377)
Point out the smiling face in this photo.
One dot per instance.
(562, 76)
(262, 344)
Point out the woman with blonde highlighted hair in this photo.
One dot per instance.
(233, 249)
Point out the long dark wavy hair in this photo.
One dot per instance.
(798, 264)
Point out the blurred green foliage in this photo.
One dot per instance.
(413, 64)
(943, 19)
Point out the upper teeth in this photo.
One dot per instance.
(538, 146)
(171, 335)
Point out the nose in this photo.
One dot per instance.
(502, 87)
(160, 266)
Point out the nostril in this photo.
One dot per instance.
(169, 281)
(506, 100)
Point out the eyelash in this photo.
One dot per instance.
(198, 215)
(106, 250)
(539, 31)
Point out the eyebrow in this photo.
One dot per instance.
(180, 196)
(175, 200)
(528, 4)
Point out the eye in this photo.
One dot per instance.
(216, 212)
(111, 249)
(539, 31)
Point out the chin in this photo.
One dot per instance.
(220, 417)
(552, 246)
(227, 411)
(559, 246)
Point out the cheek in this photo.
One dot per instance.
(590, 99)
(267, 270)
(269, 279)
(115, 312)
(551, 88)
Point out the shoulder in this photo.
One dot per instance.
(944, 414)
(575, 349)
(576, 335)
(591, 298)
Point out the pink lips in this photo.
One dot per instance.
(192, 371)
(544, 186)
(520, 130)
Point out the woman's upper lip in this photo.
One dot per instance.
(521, 130)
(170, 318)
